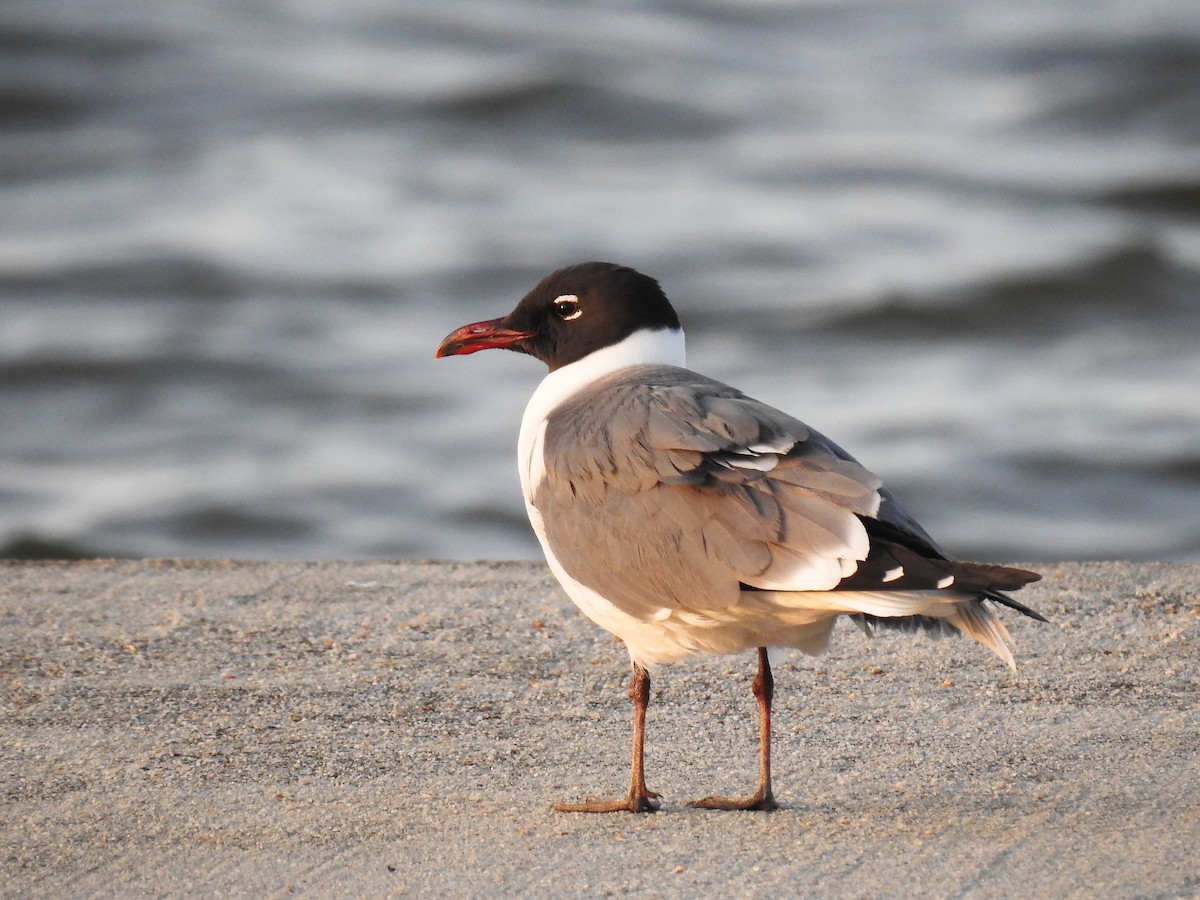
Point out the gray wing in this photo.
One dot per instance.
(666, 489)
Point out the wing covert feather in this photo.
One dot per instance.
(665, 488)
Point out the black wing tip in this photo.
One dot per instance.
(1005, 600)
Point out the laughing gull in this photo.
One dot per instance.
(683, 516)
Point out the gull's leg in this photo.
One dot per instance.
(639, 798)
(762, 799)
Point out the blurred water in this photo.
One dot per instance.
(961, 238)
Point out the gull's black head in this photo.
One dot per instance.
(571, 313)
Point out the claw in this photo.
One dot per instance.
(759, 802)
(635, 803)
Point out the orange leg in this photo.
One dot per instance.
(639, 798)
(762, 799)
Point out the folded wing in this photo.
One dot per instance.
(663, 487)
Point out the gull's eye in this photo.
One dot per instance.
(567, 308)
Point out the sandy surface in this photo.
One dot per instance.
(374, 729)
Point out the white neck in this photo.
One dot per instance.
(663, 347)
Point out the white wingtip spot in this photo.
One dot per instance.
(893, 574)
(759, 463)
(945, 582)
(779, 445)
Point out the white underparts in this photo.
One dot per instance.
(661, 347)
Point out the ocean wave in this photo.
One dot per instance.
(32, 546)
(965, 245)
(1178, 197)
(1128, 285)
(580, 111)
(157, 276)
(1102, 85)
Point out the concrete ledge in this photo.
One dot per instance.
(373, 729)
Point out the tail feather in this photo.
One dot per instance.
(937, 613)
(970, 617)
(978, 622)
(931, 625)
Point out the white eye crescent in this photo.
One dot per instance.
(566, 307)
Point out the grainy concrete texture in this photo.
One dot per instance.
(260, 729)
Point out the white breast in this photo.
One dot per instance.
(662, 347)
